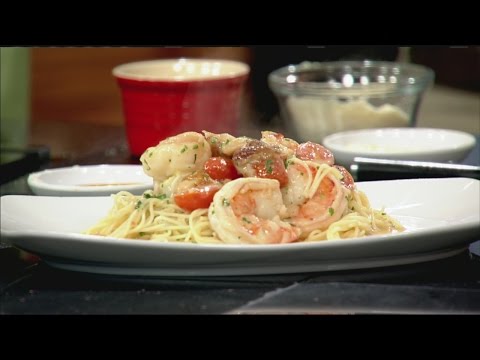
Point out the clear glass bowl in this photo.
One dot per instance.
(317, 99)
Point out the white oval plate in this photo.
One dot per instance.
(90, 180)
(442, 216)
(421, 144)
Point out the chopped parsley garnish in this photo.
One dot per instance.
(331, 211)
(195, 146)
(141, 233)
(139, 203)
(226, 202)
(185, 148)
(246, 220)
(159, 196)
(195, 158)
(150, 154)
(226, 142)
(268, 166)
(213, 140)
(287, 163)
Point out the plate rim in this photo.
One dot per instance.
(276, 269)
(129, 243)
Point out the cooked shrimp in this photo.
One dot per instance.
(286, 146)
(249, 211)
(314, 196)
(180, 154)
(225, 144)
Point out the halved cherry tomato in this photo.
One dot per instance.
(347, 179)
(271, 168)
(220, 168)
(196, 198)
(314, 152)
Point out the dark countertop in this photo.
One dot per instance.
(29, 286)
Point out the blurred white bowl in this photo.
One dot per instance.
(92, 180)
(421, 144)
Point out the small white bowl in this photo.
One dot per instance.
(91, 180)
(418, 144)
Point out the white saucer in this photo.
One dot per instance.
(92, 180)
(420, 144)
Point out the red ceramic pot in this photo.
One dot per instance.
(162, 98)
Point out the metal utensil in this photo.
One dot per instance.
(365, 169)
